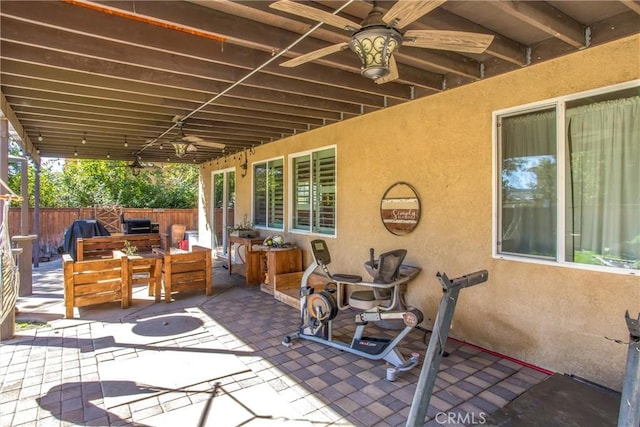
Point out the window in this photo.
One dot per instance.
(268, 194)
(569, 180)
(314, 192)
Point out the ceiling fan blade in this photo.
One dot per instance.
(311, 56)
(210, 144)
(457, 41)
(193, 139)
(393, 72)
(404, 12)
(305, 11)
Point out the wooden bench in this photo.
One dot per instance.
(94, 282)
(101, 247)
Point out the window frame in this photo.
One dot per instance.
(293, 192)
(253, 193)
(559, 103)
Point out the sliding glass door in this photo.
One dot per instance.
(224, 197)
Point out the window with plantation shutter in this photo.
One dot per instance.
(268, 194)
(314, 192)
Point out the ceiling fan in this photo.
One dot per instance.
(184, 144)
(377, 38)
(137, 166)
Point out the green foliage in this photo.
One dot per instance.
(49, 183)
(82, 183)
(129, 249)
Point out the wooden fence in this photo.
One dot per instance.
(54, 222)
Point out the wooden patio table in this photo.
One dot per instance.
(143, 268)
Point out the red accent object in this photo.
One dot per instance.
(504, 356)
(183, 244)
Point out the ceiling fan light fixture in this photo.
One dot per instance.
(375, 45)
(181, 148)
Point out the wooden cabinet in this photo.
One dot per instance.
(262, 263)
(279, 261)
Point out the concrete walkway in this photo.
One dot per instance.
(219, 361)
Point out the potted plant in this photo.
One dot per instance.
(243, 229)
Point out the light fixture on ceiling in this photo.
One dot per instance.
(37, 150)
(126, 144)
(161, 146)
(181, 148)
(84, 138)
(75, 152)
(108, 156)
(374, 44)
(40, 137)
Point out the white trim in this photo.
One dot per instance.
(284, 190)
(225, 196)
(291, 157)
(565, 264)
(561, 213)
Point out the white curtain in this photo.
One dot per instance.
(528, 146)
(603, 180)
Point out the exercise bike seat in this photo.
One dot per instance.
(346, 278)
(388, 271)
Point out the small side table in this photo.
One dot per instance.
(141, 265)
(252, 263)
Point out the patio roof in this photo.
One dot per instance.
(82, 77)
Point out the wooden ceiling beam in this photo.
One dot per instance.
(633, 5)
(54, 106)
(25, 60)
(85, 46)
(81, 21)
(546, 18)
(8, 112)
(52, 90)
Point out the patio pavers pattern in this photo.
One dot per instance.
(229, 368)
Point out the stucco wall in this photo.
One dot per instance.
(551, 316)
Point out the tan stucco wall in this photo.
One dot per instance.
(551, 316)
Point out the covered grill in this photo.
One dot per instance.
(138, 226)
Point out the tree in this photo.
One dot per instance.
(82, 183)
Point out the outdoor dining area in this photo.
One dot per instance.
(101, 269)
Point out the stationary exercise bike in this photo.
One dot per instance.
(319, 308)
